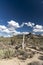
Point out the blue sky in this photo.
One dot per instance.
(18, 16)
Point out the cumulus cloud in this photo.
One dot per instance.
(38, 28)
(30, 24)
(25, 33)
(4, 29)
(7, 35)
(10, 29)
(13, 24)
(21, 33)
(16, 24)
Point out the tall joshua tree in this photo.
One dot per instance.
(23, 44)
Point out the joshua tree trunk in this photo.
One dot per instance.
(23, 44)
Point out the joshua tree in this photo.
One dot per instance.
(23, 44)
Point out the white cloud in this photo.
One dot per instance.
(13, 24)
(25, 33)
(21, 33)
(10, 29)
(30, 24)
(2, 27)
(38, 28)
(7, 35)
(16, 33)
(6, 31)
(16, 24)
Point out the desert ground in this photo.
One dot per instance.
(16, 61)
(12, 52)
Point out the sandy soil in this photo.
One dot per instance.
(16, 61)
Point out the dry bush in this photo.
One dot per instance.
(35, 63)
(7, 53)
(40, 57)
(23, 55)
(1, 54)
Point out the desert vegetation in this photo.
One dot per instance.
(35, 63)
(12, 47)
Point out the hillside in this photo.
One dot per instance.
(30, 39)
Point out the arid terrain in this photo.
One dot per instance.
(12, 52)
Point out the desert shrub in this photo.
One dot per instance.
(41, 48)
(40, 57)
(34, 47)
(9, 53)
(1, 54)
(6, 53)
(12, 42)
(31, 55)
(33, 52)
(21, 52)
(21, 58)
(23, 55)
(35, 63)
(16, 53)
(16, 47)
